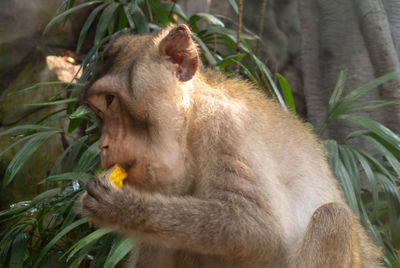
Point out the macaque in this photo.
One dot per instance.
(218, 175)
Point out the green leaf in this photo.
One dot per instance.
(375, 127)
(4, 252)
(66, 13)
(71, 160)
(16, 208)
(160, 12)
(389, 186)
(338, 91)
(104, 20)
(245, 35)
(211, 19)
(87, 25)
(370, 176)
(251, 76)
(89, 158)
(24, 154)
(80, 112)
(287, 94)
(83, 254)
(118, 252)
(392, 160)
(18, 250)
(87, 240)
(57, 237)
(64, 4)
(31, 128)
(369, 86)
(73, 124)
(69, 176)
(122, 21)
(15, 144)
(205, 49)
(57, 102)
(231, 59)
(45, 195)
(176, 9)
(42, 84)
(141, 23)
(129, 16)
(234, 6)
(60, 159)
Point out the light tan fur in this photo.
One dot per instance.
(218, 174)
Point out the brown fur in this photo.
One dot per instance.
(218, 175)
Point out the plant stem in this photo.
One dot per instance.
(239, 32)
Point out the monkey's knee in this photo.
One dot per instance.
(330, 239)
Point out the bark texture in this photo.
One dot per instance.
(346, 35)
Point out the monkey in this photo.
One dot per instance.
(218, 174)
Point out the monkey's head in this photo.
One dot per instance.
(137, 95)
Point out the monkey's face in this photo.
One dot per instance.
(135, 96)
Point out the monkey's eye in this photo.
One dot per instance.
(109, 99)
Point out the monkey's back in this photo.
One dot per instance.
(284, 156)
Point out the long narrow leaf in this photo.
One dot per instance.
(66, 13)
(369, 86)
(119, 251)
(24, 154)
(205, 49)
(104, 20)
(45, 195)
(69, 176)
(393, 161)
(234, 6)
(18, 250)
(87, 240)
(370, 177)
(4, 252)
(287, 93)
(50, 103)
(28, 128)
(89, 158)
(159, 11)
(338, 91)
(58, 237)
(375, 127)
(42, 84)
(87, 25)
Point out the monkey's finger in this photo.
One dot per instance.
(87, 206)
(95, 188)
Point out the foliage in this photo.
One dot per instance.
(368, 178)
(48, 229)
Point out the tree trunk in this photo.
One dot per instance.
(382, 52)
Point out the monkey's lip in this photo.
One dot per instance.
(126, 165)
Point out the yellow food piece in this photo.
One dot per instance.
(118, 176)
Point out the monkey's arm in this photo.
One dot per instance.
(227, 225)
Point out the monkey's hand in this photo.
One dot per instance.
(103, 203)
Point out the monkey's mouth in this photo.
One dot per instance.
(128, 165)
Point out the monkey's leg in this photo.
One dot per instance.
(329, 241)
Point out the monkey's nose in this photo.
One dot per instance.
(103, 146)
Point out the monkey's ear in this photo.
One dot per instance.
(179, 47)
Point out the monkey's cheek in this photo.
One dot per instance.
(135, 174)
